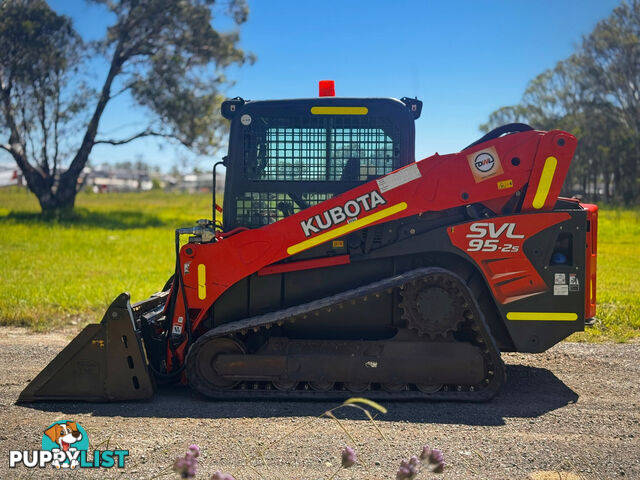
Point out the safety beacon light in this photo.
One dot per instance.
(327, 88)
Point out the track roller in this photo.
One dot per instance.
(201, 363)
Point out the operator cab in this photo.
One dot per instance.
(287, 155)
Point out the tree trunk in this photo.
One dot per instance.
(58, 195)
(54, 200)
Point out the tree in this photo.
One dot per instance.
(594, 94)
(611, 65)
(165, 54)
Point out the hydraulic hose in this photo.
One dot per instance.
(178, 283)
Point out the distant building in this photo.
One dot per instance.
(196, 182)
(10, 175)
(102, 180)
(106, 179)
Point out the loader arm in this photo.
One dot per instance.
(496, 173)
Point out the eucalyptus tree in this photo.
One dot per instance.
(165, 54)
(594, 94)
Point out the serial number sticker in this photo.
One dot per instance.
(561, 289)
(406, 175)
(338, 244)
(505, 184)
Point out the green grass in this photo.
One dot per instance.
(618, 283)
(57, 272)
(69, 270)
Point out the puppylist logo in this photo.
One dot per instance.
(65, 444)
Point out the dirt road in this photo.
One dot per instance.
(574, 409)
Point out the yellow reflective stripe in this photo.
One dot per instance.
(545, 182)
(543, 316)
(361, 222)
(202, 278)
(339, 110)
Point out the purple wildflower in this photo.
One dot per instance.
(436, 459)
(349, 457)
(436, 456)
(221, 476)
(194, 449)
(408, 469)
(426, 451)
(187, 465)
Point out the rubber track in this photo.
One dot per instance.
(257, 390)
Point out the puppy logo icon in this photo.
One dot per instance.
(65, 436)
(65, 444)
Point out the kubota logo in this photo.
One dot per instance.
(65, 444)
(484, 162)
(347, 212)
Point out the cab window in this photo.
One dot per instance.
(322, 150)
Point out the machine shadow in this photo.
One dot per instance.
(528, 392)
(86, 218)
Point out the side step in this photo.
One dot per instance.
(106, 362)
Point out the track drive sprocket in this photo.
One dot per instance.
(432, 307)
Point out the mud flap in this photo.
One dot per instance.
(106, 362)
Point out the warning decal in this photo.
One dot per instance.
(398, 178)
(561, 289)
(574, 284)
(505, 184)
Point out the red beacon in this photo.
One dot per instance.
(327, 88)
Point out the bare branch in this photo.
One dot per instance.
(88, 140)
(122, 90)
(146, 133)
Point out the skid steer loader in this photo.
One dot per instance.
(343, 265)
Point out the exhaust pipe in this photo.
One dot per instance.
(106, 362)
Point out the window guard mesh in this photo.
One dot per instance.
(256, 209)
(353, 148)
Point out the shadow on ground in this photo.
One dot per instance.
(528, 392)
(84, 218)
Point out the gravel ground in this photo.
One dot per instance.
(570, 413)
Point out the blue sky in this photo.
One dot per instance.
(463, 59)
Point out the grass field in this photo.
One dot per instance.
(54, 273)
(57, 273)
(618, 277)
